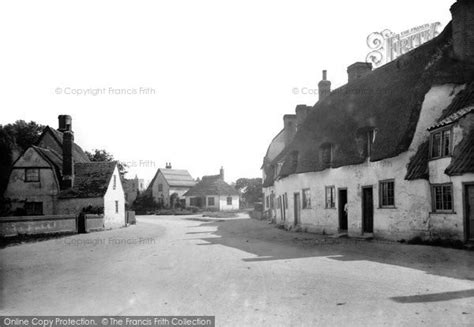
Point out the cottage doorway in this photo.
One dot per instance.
(81, 223)
(342, 207)
(283, 209)
(469, 210)
(367, 210)
(297, 205)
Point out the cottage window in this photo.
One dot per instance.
(326, 154)
(441, 144)
(115, 182)
(32, 175)
(229, 200)
(160, 187)
(330, 197)
(387, 193)
(442, 197)
(116, 207)
(34, 208)
(306, 198)
(210, 201)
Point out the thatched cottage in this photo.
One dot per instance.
(389, 154)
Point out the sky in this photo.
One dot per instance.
(200, 84)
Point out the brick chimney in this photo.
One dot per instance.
(324, 86)
(168, 165)
(65, 123)
(463, 30)
(221, 173)
(289, 128)
(302, 112)
(358, 70)
(68, 161)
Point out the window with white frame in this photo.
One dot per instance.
(387, 193)
(442, 197)
(330, 197)
(440, 143)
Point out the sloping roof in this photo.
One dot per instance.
(461, 105)
(78, 154)
(388, 99)
(418, 166)
(174, 178)
(91, 180)
(53, 158)
(178, 177)
(211, 185)
(463, 157)
(452, 118)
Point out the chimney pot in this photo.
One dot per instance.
(65, 123)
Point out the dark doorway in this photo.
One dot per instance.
(81, 223)
(297, 209)
(283, 208)
(367, 210)
(469, 210)
(342, 205)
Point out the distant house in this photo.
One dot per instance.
(212, 192)
(169, 185)
(56, 177)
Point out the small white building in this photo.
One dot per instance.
(213, 193)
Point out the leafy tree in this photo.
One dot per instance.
(251, 189)
(102, 155)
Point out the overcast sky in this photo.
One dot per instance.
(215, 77)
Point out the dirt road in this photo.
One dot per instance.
(245, 272)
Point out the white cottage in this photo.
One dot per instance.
(389, 154)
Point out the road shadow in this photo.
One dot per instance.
(265, 243)
(435, 297)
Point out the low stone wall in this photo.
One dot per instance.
(30, 225)
(47, 224)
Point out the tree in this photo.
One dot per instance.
(251, 189)
(102, 155)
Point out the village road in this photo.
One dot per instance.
(245, 272)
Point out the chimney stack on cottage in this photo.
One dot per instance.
(65, 126)
(358, 70)
(324, 86)
(302, 112)
(221, 173)
(289, 128)
(168, 165)
(463, 30)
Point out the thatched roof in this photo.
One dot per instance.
(211, 185)
(388, 101)
(77, 152)
(91, 180)
(462, 105)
